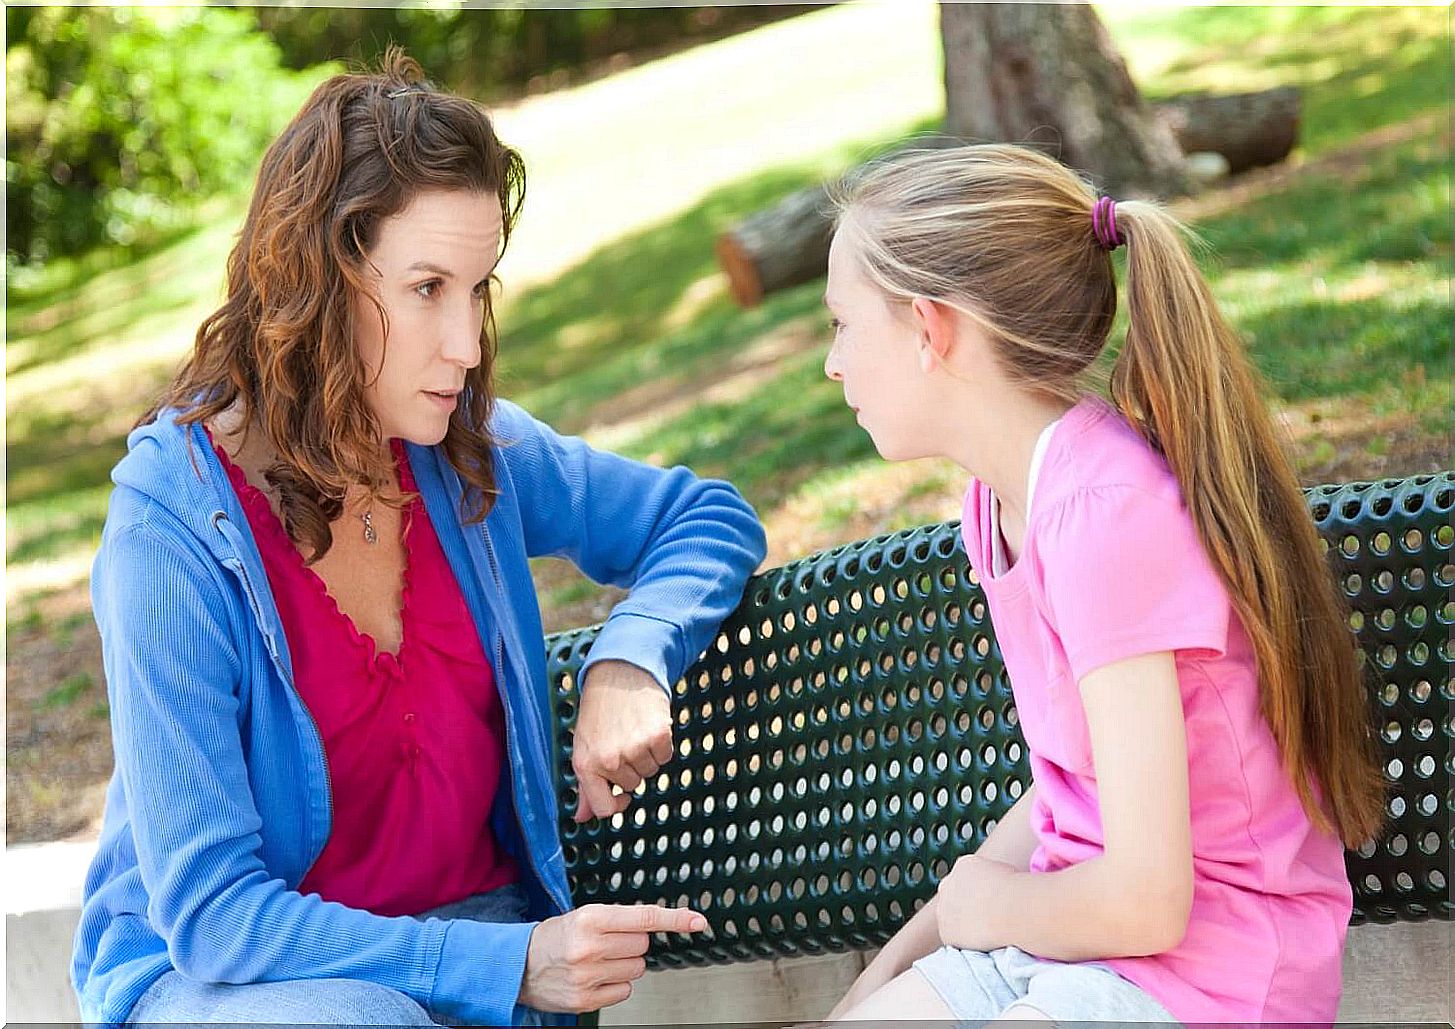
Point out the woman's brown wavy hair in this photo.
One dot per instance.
(282, 347)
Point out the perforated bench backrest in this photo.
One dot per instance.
(852, 732)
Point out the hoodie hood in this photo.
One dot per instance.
(175, 467)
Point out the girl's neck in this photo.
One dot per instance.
(996, 440)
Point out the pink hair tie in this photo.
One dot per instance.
(1104, 224)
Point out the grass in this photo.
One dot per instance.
(616, 324)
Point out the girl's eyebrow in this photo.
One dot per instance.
(425, 266)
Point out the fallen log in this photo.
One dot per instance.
(788, 243)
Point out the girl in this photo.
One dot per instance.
(334, 800)
(1185, 680)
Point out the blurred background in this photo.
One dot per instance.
(132, 135)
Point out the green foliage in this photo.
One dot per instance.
(486, 52)
(119, 119)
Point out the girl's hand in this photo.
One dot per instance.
(970, 900)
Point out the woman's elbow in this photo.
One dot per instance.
(739, 519)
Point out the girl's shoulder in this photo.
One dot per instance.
(1098, 460)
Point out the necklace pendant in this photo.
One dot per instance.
(370, 536)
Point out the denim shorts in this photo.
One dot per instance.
(978, 986)
(174, 998)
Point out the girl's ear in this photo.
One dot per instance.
(936, 325)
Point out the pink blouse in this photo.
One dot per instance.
(414, 741)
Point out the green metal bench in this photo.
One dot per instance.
(852, 732)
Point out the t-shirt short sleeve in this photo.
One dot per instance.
(1124, 574)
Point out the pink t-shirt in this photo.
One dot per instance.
(1112, 568)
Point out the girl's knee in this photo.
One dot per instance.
(907, 996)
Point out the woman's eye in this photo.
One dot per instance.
(835, 325)
(428, 289)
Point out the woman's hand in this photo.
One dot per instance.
(587, 959)
(623, 735)
(970, 900)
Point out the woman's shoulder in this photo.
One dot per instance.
(167, 484)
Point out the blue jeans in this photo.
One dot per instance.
(174, 998)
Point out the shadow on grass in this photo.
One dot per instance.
(104, 293)
(1337, 348)
(649, 305)
(1394, 207)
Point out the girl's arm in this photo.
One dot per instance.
(1134, 898)
(1013, 841)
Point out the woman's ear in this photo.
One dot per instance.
(935, 324)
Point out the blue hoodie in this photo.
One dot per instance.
(221, 800)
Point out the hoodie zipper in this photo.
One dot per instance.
(536, 869)
(286, 674)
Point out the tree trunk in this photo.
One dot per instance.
(1049, 76)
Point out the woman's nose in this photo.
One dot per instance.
(462, 342)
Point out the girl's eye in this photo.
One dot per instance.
(428, 289)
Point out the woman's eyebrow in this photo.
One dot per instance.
(425, 266)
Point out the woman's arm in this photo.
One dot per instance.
(1133, 899)
(684, 545)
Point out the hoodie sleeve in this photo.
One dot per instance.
(685, 546)
(174, 671)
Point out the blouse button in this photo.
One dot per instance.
(409, 718)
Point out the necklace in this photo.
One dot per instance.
(370, 536)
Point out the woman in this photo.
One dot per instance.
(333, 798)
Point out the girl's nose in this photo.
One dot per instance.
(831, 366)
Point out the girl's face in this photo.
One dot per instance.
(431, 266)
(878, 357)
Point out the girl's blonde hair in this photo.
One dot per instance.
(1005, 234)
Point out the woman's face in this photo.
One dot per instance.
(430, 268)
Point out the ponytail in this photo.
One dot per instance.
(1184, 381)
